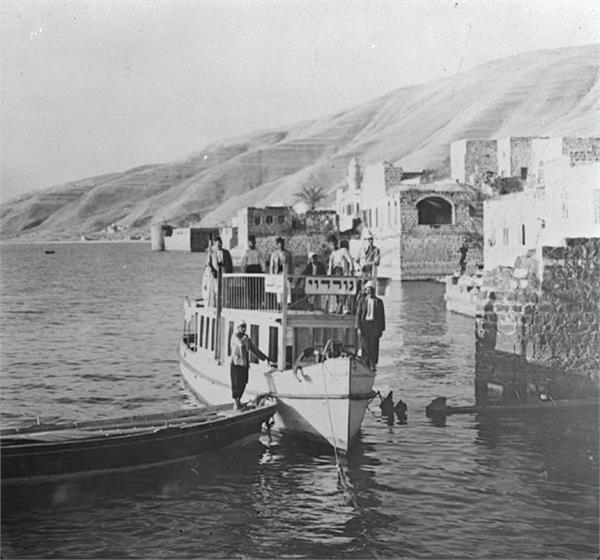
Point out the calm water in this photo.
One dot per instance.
(91, 331)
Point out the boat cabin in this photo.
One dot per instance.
(292, 319)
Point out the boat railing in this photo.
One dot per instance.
(265, 292)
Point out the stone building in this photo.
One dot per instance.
(560, 199)
(542, 249)
(514, 156)
(477, 160)
(471, 159)
(418, 226)
(539, 333)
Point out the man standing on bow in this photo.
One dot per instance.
(370, 324)
(241, 346)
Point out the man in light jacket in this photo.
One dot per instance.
(370, 324)
(241, 346)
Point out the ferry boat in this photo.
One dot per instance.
(305, 325)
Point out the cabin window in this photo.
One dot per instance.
(201, 331)
(396, 212)
(273, 344)
(229, 337)
(434, 210)
(357, 207)
(523, 173)
(269, 220)
(377, 217)
(349, 209)
(522, 234)
(254, 337)
(212, 334)
(505, 237)
(564, 210)
(256, 220)
(281, 219)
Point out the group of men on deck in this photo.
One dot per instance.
(370, 312)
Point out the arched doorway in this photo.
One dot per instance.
(434, 211)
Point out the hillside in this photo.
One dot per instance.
(554, 92)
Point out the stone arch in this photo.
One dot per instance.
(435, 210)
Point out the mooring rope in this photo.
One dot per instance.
(342, 480)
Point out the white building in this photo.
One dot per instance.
(560, 199)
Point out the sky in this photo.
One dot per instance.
(93, 87)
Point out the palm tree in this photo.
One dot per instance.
(311, 195)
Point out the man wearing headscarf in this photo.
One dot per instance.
(370, 324)
(241, 346)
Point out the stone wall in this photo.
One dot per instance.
(546, 331)
(481, 156)
(431, 251)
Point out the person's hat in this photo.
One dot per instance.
(367, 234)
(369, 284)
(242, 323)
(280, 240)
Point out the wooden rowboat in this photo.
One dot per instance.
(42, 452)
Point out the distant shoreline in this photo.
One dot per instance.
(69, 241)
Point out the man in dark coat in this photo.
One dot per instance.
(220, 258)
(370, 324)
(314, 267)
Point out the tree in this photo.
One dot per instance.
(311, 195)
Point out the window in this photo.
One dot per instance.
(434, 210)
(206, 332)
(254, 338)
(280, 219)
(269, 219)
(389, 220)
(523, 173)
(212, 334)
(229, 336)
(349, 209)
(377, 217)
(505, 236)
(564, 207)
(256, 220)
(357, 207)
(273, 344)
(522, 234)
(200, 338)
(396, 213)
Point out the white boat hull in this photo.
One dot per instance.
(322, 401)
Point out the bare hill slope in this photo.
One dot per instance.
(554, 92)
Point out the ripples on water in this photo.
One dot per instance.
(91, 331)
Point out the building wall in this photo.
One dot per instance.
(179, 240)
(429, 251)
(547, 326)
(471, 158)
(564, 203)
(481, 156)
(458, 152)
